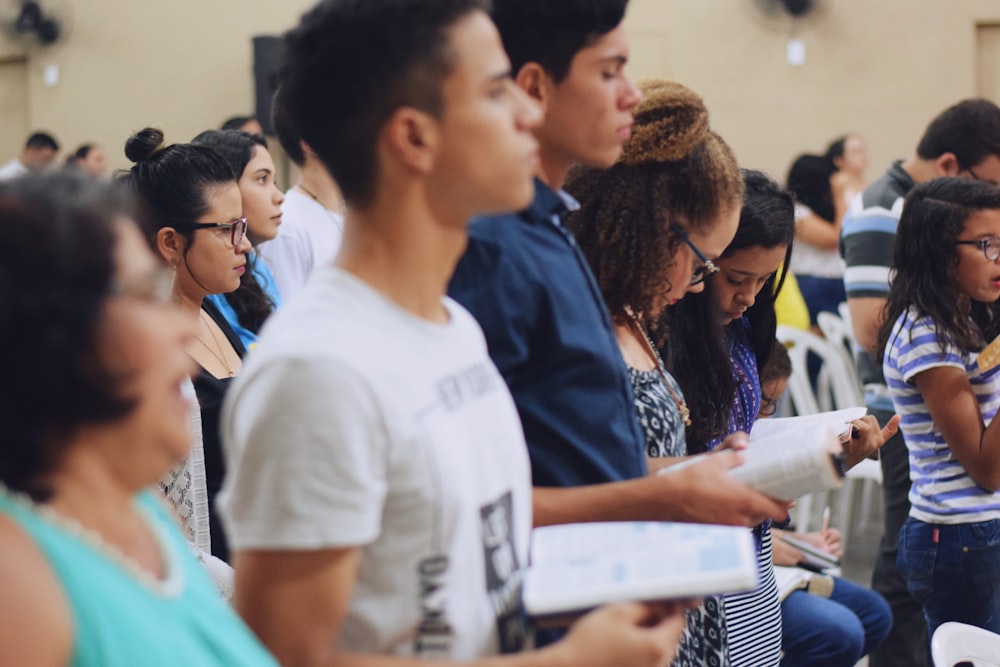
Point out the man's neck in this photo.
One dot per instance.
(920, 170)
(553, 168)
(317, 184)
(404, 252)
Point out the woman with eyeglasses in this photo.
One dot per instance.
(257, 297)
(93, 569)
(939, 349)
(649, 227)
(195, 212)
(724, 389)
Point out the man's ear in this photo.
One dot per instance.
(413, 138)
(536, 82)
(946, 164)
(170, 244)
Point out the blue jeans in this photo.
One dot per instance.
(953, 571)
(835, 631)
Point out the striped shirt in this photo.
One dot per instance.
(942, 491)
(867, 242)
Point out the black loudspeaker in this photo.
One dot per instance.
(266, 61)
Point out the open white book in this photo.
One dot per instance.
(577, 567)
(792, 456)
(837, 420)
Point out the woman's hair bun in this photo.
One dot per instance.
(144, 144)
(670, 121)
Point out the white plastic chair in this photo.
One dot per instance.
(838, 331)
(955, 643)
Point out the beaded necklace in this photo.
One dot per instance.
(682, 406)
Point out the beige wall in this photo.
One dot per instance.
(880, 67)
(182, 65)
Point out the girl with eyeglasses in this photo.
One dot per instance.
(724, 388)
(650, 227)
(939, 356)
(248, 307)
(95, 571)
(194, 211)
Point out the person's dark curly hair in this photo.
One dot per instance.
(926, 261)
(672, 169)
(57, 240)
(250, 302)
(699, 362)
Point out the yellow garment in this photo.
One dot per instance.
(789, 305)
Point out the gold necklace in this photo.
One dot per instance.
(343, 204)
(221, 354)
(682, 406)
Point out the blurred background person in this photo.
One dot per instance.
(39, 152)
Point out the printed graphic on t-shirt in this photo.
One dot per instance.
(472, 382)
(503, 573)
(435, 633)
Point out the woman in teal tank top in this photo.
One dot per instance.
(94, 570)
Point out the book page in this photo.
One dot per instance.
(790, 463)
(838, 420)
(580, 566)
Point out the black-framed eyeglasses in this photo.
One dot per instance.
(707, 268)
(989, 245)
(977, 177)
(237, 228)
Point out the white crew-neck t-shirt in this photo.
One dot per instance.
(356, 423)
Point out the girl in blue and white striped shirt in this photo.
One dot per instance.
(943, 310)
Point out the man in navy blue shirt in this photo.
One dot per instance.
(546, 324)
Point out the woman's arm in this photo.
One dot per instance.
(954, 407)
(37, 624)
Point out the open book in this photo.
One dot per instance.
(792, 456)
(791, 579)
(815, 557)
(577, 567)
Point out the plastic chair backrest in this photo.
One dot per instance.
(838, 331)
(957, 642)
(845, 391)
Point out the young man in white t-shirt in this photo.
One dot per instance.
(379, 496)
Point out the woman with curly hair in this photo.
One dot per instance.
(650, 227)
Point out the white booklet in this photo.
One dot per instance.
(577, 567)
(792, 456)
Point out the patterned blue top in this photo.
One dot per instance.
(942, 492)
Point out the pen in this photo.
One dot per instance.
(826, 521)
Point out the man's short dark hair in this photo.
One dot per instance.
(236, 122)
(284, 129)
(40, 140)
(969, 129)
(350, 64)
(552, 32)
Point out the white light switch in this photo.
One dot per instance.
(795, 52)
(50, 75)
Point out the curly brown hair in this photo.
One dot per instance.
(672, 169)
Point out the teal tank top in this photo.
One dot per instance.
(124, 620)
